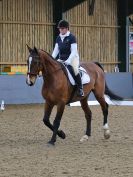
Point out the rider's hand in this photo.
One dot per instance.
(67, 62)
(59, 60)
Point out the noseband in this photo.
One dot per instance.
(32, 74)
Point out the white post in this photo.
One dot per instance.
(127, 46)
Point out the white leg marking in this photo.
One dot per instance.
(105, 127)
(106, 131)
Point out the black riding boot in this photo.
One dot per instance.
(79, 85)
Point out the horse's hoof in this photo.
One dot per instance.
(84, 138)
(61, 134)
(51, 144)
(107, 134)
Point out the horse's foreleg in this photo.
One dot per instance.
(88, 116)
(48, 109)
(56, 123)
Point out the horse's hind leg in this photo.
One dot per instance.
(88, 116)
(104, 107)
(48, 109)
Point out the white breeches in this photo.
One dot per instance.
(75, 64)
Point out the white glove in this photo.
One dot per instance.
(67, 62)
(59, 60)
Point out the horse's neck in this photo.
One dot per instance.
(50, 66)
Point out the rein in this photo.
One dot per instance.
(38, 60)
(45, 74)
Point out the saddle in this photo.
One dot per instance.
(69, 72)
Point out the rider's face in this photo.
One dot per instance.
(63, 30)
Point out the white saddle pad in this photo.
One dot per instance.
(85, 77)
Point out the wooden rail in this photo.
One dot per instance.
(24, 63)
(96, 26)
(26, 23)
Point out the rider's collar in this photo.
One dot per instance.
(63, 36)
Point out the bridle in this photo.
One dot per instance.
(46, 72)
(38, 64)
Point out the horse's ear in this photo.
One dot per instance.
(35, 49)
(30, 49)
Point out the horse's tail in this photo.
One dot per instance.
(112, 95)
(108, 92)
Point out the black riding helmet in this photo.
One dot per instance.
(63, 24)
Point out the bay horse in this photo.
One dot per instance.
(57, 90)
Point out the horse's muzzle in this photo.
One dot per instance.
(29, 83)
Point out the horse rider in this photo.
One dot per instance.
(66, 48)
